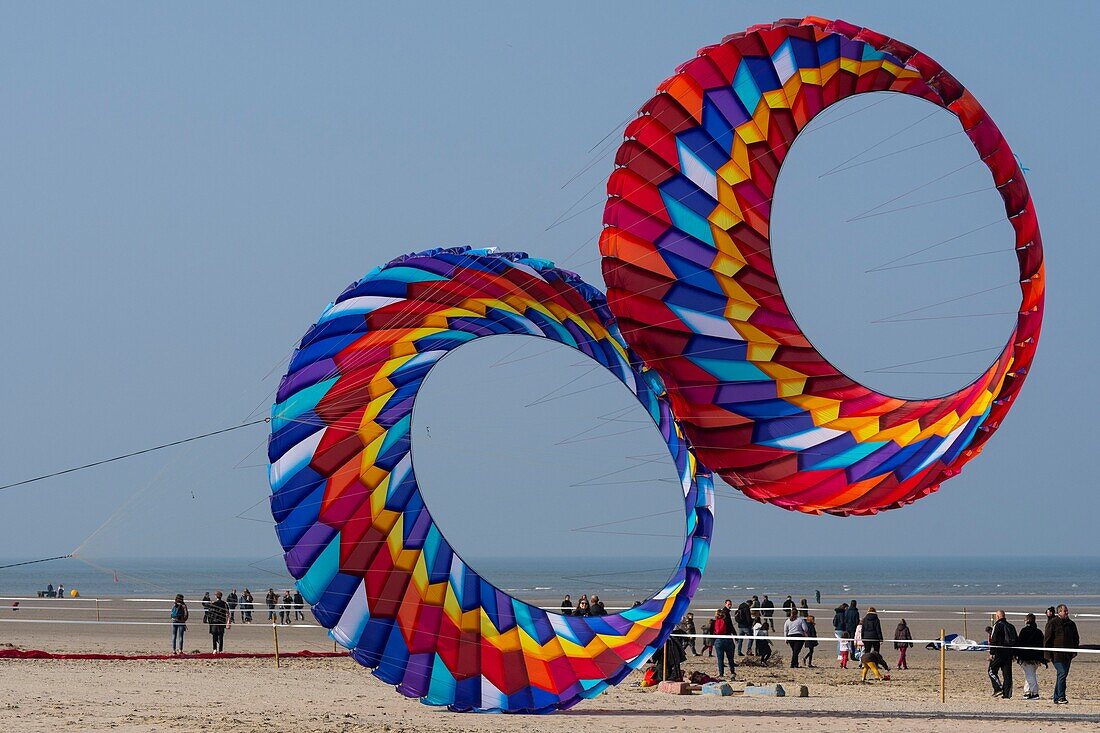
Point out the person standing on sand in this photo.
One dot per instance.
(903, 641)
(763, 645)
(872, 631)
(231, 601)
(1030, 655)
(60, 590)
(566, 606)
(708, 640)
(689, 628)
(247, 603)
(286, 606)
(787, 606)
(767, 610)
(299, 606)
(742, 618)
(851, 623)
(839, 633)
(596, 606)
(206, 607)
(723, 643)
(803, 608)
(271, 599)
(1061, 633)
(179, 623)
(811, 641)
(219, 621)
(1001, 640)
(796, 630)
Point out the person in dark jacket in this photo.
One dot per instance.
(767, 610)
(582, 608)
(787, 606)
(688, 625)
(872, 631)
(708, 638)
(903, 642)
(742, 617)
(206, 607)
(811, 641)
(851, 619)
(1030, 655)
(1001, 640)
(566, 606)
(271, 600)
(596, 607)
(299, 606)
(723, 644)
(839, 633)
(803, 608)
(247, 603)
(218, 618)
(1061, 633)
(231, 601)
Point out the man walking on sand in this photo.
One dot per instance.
(1001, 640)
(1061, 633)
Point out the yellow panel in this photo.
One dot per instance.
(891, 67)
(823, 415)
(751, 333)
(727, 247)
(810, 76)
(790, 387)
(738, 311)
(903, 434)
(777, 99)
(749, 132)
(760, 353)
(850, 65)
(726, 265)
(406, 559)
(829, 70)
(723, 218)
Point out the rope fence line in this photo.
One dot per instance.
(979, 646)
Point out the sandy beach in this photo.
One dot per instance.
(338, 695)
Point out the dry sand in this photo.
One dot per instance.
(338, 695)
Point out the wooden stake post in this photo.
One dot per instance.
(97, 609)
(965, 634)
(943, 666)
(275, 633)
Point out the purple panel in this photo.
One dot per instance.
(316, 372)
(729, 105)
(308, 547)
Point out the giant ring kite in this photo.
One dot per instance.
(690, 277)
(358, 538)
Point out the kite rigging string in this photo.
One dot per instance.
(32, 562)
(131, 454)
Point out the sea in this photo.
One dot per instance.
(1031, 583)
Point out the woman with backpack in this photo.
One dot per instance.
(179, 623)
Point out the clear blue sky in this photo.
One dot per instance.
(185, 187)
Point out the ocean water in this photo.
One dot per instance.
(1032, 582)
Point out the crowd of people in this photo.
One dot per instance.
(744, 631)
(1030, 647)
(219, 614)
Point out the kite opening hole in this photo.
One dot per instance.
(545, 473)
(892, 247)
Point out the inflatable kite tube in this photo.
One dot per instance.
(358, 538)
(690, 277)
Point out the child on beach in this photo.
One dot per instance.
(763, 646)
(903, 640)
(870, 661)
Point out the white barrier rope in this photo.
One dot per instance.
(977, 647)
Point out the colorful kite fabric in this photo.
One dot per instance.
(691, 281)
(350, 516)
